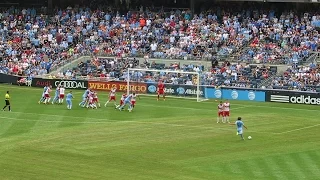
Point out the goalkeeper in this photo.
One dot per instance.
(161, 90)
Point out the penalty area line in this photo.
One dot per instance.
(298, 129)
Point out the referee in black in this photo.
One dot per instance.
(7, 100)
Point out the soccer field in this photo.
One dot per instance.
(173, 139)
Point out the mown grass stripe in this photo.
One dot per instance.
(43, 126)
(274, 168)
(5, 125)
(310, 164)
(19, 127)
(293, 167)
(254, 166)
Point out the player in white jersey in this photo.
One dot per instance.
(61, 95)
(220, 112)
(91, 103)
(96, 99)
(123, 97)
(112, 97)
(133, 100)
(226, 112)
(47, 95)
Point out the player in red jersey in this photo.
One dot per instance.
(112, 97)
(226, 112)
(161, 90)
(220, 112)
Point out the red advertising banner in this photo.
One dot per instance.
(121, 86)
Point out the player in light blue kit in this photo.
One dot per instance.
(239, 123)
(84, 98)
(127, 100)
(56, 95)
(42, 97)
(69, 100)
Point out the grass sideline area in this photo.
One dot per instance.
(175, 139)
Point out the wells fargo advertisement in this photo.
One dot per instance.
(121, 86)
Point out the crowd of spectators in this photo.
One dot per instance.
(301, 78)
(32, 44)
(286, 39)
(220, 74)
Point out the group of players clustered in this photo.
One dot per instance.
(90, 100)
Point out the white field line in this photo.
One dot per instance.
(298, 129)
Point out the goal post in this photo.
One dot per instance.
(178, 84)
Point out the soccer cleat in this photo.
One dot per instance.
(237, 133)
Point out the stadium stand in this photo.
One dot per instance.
(32, 44)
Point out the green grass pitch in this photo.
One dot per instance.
(175, 139)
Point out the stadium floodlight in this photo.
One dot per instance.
(177, 88)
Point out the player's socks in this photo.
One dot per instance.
(241, 136)
(106, 103)
(218, 120)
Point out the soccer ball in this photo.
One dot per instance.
(249, 137)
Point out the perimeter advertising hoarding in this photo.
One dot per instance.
(293, 97)
(177, 90)
(68, 84)
(235, 94)
(121, 86)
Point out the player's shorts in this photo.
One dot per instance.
(69, 102)
(226, 113)
(46, 95)
(220, 113)
(7, 102)
(61, 96)
(161, 92)
(127, 102)
(112, 98)
(239, 131)
(95, 99)
(133, 103)
(121, 102)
